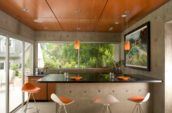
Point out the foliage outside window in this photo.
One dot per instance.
(28, 59)
(92, 55)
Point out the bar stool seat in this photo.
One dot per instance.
(62, 101)
(106, 101)
(66, 100)
(31, 90)
(136, 98)
(139, 100)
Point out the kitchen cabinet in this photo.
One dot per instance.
(51, 89)
(46, 88)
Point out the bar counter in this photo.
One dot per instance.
(84, 91)
(96, 78)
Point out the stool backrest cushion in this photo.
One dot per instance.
(56, 99)
(111, 99)
(146, 97)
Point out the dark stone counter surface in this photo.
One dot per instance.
(96, 78)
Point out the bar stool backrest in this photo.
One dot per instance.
(146, 97)
(112, 99)
(56, 99)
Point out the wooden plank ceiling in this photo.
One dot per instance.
(79, 15)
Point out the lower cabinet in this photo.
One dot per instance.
(51, 89)
(46, 89)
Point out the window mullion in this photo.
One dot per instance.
(7, 74)
(23, 67)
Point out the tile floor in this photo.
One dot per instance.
(44, 107)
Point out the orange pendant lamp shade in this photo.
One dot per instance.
(77, 44)
(127, 46)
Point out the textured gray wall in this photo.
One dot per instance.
(158, 18)
(12, 27)
(82, 36)
(84, 94)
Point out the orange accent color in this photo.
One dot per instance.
(76, 77)
(136, 98)
(30, 88)
(65, 100)
(77, 44)
(94, 15)
(124, 78)
(127, 46)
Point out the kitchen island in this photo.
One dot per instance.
(97, 78)
(84, 90)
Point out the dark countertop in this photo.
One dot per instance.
(40, 75)
(97, 78)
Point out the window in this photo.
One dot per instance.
(3, 73)
(2, 43)
(15, 73)
(28, 59)
(92, 55)
(1, 65)
(28, 64)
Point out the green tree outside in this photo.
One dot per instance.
(92, 55)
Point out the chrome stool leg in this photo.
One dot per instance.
(137, 109)
(65, 109)
(27, 102)
(109, 109)
(106, 109)
(37, 110)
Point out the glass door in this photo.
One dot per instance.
(3, 83)
(15, 73)
(28, 62)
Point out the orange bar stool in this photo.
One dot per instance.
(139, 100)
(62, 102)
(106, 101)
(31, 90)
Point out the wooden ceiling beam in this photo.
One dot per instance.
(54, 15)
(100, 16)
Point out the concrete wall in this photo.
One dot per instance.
(12, 27)
(88, 92)
(82, 36)
(158, 18)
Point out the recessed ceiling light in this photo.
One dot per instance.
(25, 9)
(124, 15)
(78, 28)
(38, 21)
(116, 23)
(111, 28)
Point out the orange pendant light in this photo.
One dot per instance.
(127, 46)
(77, 44)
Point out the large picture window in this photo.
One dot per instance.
(11, 71)
(92, 55)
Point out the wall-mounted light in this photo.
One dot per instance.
(127, 46)
(77, 44)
